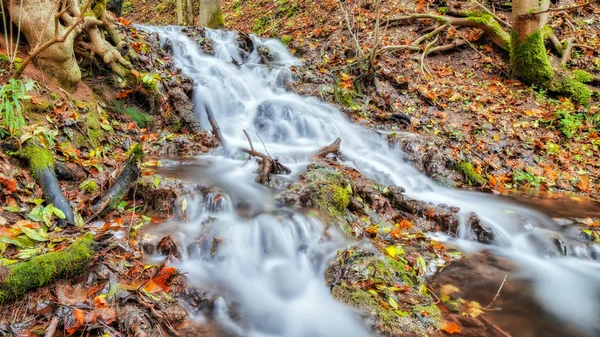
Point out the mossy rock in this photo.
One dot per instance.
(394, 300)
(89, 186)
(472, 177)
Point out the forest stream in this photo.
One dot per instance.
(275, 257)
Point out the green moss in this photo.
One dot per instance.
(43, 269)
(89, 186)
(286, 39)
(529, 60)
(432, 313)
(99, 8)
(94, 128)
(469, 173)
(216, 20)
(574, 88)
(140, 118)
(583, 76)
(39, 158)
(487, 20)
(333, 199)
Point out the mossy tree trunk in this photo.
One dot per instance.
(528, 55)
(210, 14)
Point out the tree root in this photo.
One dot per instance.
(121, 186)
(17, 279)
(41, 162)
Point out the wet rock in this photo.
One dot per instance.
(69, 171)
(198, 35)
(136, 321)
(480, 232)
(423, 152)
(160, 193)
(166, 246)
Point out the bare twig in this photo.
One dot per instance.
(349, 26)
(495, 327)
(497, 292)
(566, 9)
(566, 56)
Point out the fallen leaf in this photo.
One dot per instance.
(451, 327)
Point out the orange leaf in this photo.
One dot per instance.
(123, 94)
(451, 327)
(10, 185)
(100, 302)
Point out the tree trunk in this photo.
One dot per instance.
(180, 12)
(210, 14)
(189, 13)
(57, 61)
(528, 55)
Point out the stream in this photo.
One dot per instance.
(275, 258)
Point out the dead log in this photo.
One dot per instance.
(17, 279)
(41, 163)
(121, 186)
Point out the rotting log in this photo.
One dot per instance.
(17, 279)
(119, 189)
(41, 163)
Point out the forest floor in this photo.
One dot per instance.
(467, 124)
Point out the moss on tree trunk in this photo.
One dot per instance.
(17, 279)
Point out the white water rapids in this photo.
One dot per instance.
(273, 264)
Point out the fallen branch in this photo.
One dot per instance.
(331, 148)
(17, 279)
(41, 163)
(267, 165)
(51, 329)
(120, 188)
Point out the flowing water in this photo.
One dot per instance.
(273, 262)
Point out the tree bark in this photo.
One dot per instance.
(210, 14)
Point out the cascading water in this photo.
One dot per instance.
(273, 263)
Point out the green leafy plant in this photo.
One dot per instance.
(569, 123)
(528, 177)
(11, 109)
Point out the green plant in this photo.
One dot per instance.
(528, 177)
(11, 109)
(286, 39)
(569, 123)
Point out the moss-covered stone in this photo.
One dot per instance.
(469, 173)
(94, 128)
(529, 60)
(39, 158)
(89, 186)
(41, 270)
